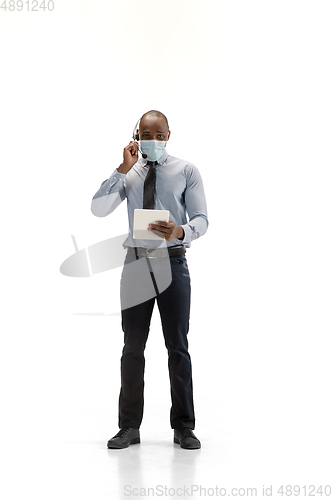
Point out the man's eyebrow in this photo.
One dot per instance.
(159, 131)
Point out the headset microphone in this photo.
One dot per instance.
(136, 138)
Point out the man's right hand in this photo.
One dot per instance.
(130, 157)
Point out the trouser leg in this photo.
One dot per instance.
(174, 307)
(135, 324)
(137, 302)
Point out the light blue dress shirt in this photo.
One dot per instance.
(179, 189)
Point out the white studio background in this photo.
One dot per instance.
(247, 88)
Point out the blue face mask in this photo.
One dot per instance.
(153, 149)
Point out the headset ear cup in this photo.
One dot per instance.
(136, 131)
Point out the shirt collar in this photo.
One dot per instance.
(160, 161)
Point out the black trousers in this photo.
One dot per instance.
(174, 308)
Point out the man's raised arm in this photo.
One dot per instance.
(112, 190)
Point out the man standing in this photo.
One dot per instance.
(163, 182)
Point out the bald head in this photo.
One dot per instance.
(156, 114)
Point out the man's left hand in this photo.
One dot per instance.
(167, 230)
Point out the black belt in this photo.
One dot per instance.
(154, 253)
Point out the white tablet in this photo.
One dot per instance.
(143, 217)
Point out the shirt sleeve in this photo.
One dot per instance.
(110, 195)
(196, 207)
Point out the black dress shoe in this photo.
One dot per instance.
(124, 438)
(186, 438)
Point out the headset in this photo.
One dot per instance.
(136, 136)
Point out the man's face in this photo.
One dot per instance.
(154, 128)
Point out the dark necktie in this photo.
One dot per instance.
(149, 188)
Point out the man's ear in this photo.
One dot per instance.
(169, 135)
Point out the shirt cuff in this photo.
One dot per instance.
(187, 235)
(115, 176)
